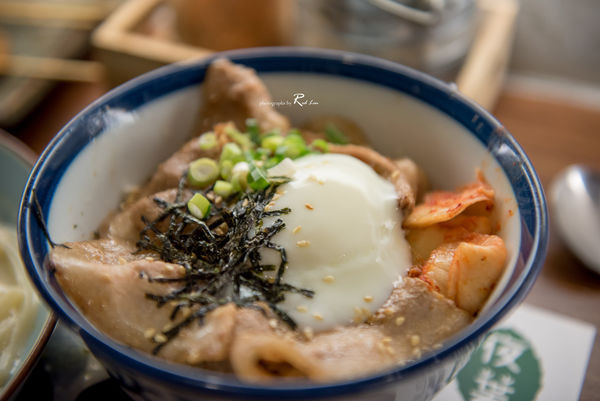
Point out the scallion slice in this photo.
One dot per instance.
(202, 172)
(254, 130)
(239, 176)
(232, 152)
(335, 135)
(199, 206)
(207, 141)
(257, 178)
(321, 145)
(241, 139)
(226, 166)
(272, 142)
(223, 188)
(293, 146)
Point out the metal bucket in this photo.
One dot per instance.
(429, 35)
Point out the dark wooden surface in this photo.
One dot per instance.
(554, 135)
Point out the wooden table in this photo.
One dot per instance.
(554, 135)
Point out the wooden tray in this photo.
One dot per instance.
(128, 45)
(41, 37)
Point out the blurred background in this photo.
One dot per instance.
(482, 45)
(535, 64)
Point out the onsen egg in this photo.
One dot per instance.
(343, 239)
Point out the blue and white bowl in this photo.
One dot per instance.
(118, 140)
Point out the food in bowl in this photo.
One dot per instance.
(270, 252)
(18, 305)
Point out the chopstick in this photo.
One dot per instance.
(55, 11)
(50, 68)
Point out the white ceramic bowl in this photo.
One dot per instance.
(118, 140)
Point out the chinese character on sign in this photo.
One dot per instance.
(489, 389)
(503, 350)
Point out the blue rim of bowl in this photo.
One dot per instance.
(151, 86)
(26, 155)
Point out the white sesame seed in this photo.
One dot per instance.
(302, 308)
(149, 333)
(387, 340)
(276, 196)
(308, 332)
(415, 340)
(303, 243)
(318, 316)
(297, 229)
(245, 203)
(149, 259)
(122, 260)
(186, 312)
(399, 320)
(328, 279)
(167, 327)
(388, 312)
(368, 298)
(273, 323)
(309, 206)
(390, 350)
(160, 338)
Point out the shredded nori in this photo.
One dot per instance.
(35, 206)
(220, 255)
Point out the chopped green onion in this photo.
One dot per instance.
(230, 155)
(273, 161)
(202, 172)
(257, 178)
(239, 176)
(241, 139)
(199, 206)
(226, 167)
(320, 144)
(232, 152)
(223, 188)
(207, 141)
(272, 142)
(254, 130)
(334, 135)
(293, 146)
(258, 154)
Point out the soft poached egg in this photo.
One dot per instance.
(343, 239)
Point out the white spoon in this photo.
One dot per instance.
(575, 202)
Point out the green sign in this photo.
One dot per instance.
(503, 368)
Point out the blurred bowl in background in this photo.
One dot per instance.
(16, 161)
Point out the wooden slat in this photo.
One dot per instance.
(51, 68)
(62, 11)
(482, 74)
